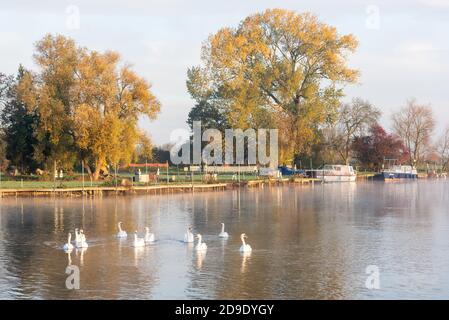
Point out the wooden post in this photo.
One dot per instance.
(82, 173)
(146, 171)
(54, 176)
(167, 171)
(116, 178)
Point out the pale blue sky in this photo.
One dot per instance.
(406, 56)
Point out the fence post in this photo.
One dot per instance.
(82, 173)
(167, 170)
(54, 176)
(116, 178)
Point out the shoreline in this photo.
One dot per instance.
(154, 189)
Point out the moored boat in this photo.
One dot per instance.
(397, 172)
(336, 173)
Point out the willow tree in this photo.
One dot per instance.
(280, 65)
(88, 104)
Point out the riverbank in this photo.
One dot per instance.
(151, 189)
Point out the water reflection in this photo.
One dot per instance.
(311, 243)
(80, 252)
(200, 256)
(69, 257)
(245, 258)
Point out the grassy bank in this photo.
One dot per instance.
(173, 177)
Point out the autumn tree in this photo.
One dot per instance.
(353, 119)
(371, 150)
(144, 148)
(414, 123)
(277, 65)
(88, 104)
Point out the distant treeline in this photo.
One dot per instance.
(276, 69)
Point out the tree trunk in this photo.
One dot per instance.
(98, 165)
(87, 167)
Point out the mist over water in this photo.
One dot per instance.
(308, 242)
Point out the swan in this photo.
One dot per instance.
(200, 246)
(245, 247)
(149, 237)
(81, 243)
(223, 234)
(121, 233)
(68, 246)
(138, 242)
(77, 236)
(188, 236)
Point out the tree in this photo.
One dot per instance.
(442, 149)
(209, 115)
(276, 65)
(3, 86)
(144, 149)
(372, 150)
(354, 119)
(414, 123)
(18, 129)
(3, 161)
(88, 105)
(161, 154)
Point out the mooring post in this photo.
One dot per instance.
(82, 173)
(167, 171)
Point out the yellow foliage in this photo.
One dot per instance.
(86, 101)
(284, 63)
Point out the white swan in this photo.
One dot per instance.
(188, 236)
(149, 237)
(245, 247)
(121, 233)
(81, 243)
(68, 246)
(77, 236)
(200, 246)
(223, 234)
(138, 242)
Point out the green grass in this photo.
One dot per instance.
(29, 183)
(9, 184)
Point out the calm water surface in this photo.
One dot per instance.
(308, 242)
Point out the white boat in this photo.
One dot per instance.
(336, 173)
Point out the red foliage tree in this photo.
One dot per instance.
(373, 149)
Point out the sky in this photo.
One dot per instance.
(403, 45)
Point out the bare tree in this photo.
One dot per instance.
(414, 123)
(354, 119)
(442, 148)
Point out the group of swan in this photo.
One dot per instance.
(201, 246)
(80, 240)
(138, 242)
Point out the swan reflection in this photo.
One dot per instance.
(246, 255)
(200, 256)
(81, 252)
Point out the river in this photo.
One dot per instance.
(309, 242)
